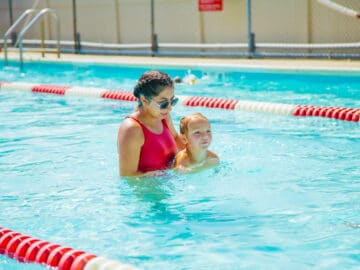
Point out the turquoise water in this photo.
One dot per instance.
(285, 196)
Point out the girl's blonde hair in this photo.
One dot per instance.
(184, 121)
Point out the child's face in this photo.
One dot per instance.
(199, 134)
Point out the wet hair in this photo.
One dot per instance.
(151, 83)
(184, 121)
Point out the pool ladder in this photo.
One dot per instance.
(26, 27)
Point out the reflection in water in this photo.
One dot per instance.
(151, 189)
(353, 225)
(172, 197)
(153, 196)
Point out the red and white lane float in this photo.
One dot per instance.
(27, 249)
(340, 113)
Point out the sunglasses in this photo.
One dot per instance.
(164, 104)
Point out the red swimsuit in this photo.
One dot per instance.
(158, 150)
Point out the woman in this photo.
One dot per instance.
(147, 140)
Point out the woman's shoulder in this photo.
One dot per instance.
(131, 120)
(131, 127)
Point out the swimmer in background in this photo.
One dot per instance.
(188, 79)
(177, 79)
(195, 131)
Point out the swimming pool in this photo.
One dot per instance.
(286, 194)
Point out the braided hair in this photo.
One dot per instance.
(151, 83)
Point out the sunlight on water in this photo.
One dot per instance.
(285, 195)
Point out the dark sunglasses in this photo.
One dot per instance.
(164, 104)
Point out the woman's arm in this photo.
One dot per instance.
(130, 140)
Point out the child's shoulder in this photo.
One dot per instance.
(212, 159)
(211, 154)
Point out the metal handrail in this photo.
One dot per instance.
(11, 29)
(31, 23)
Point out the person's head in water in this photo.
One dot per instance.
(177, 79)
(151, 83)
(196, 131)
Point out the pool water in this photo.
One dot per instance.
(285, 195)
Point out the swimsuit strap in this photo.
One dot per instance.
(136, 120)
(163, 121)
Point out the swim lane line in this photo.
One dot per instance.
(340, 113)
(27, 249)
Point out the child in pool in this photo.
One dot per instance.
(195, 131)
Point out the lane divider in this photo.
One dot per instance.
(348, 114)
(50, 89)
(27, 249)
(340, 113)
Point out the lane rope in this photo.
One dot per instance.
(340, 113)
(27, 249)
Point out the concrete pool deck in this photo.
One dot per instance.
(281, 64)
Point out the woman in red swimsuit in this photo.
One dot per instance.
(147, 140)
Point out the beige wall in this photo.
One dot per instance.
(176, 21)
(229, 25)
(330, 26)
(280, 21)
(179, 21)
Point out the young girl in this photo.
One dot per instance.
(195, 131)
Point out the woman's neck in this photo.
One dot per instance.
(148, 120)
